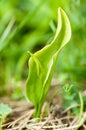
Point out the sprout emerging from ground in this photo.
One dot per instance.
(42, 64)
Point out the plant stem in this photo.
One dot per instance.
(38, 111)
(0, 124)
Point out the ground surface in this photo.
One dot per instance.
(53, 117)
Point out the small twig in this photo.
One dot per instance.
(74, 121)
(22, 117)
(45, 122)
(84, 126)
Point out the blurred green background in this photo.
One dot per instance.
(30, 25)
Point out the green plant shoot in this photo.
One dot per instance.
(5, 110)
(42, 64)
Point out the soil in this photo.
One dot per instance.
(53, 117)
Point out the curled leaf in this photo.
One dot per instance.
(42, 63)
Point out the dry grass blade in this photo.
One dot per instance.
(28, 114)
(21, 119)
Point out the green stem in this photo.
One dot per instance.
(38, 110)
(81, 105)
(81, 119)
(0, 124)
